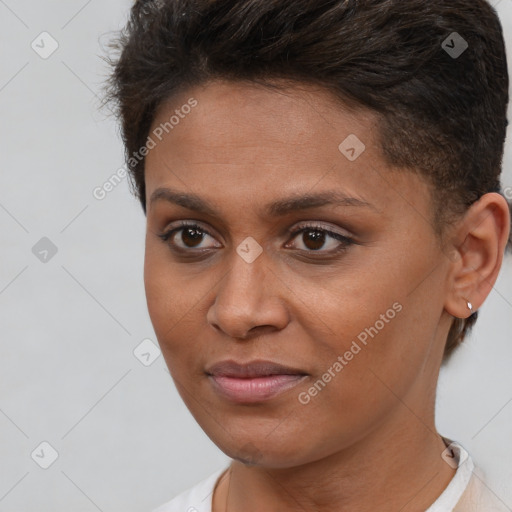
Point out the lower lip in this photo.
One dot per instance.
(255, 389)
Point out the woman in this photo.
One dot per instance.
(321, 182)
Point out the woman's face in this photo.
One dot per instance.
(308, 251)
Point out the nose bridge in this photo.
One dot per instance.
(244, 284)
(246, 298)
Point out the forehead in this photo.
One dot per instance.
(241, 139)
(252, 112)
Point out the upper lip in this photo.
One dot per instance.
(258, 368)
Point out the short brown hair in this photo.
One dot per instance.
(440, 114)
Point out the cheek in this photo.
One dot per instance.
(166, 294)
(175, 302)
(159, 287)
(369, 339)
(348, 398)
(351, 307)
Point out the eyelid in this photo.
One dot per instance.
(320, 226)
(182, 224)
(343, 239)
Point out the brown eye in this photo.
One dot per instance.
(318, 239)
(192, 236)
(313, 239)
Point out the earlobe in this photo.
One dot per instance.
(485, 230)
(470, 307)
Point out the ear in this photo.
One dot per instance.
(479, 242)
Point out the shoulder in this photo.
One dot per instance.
(195, 499)
(469, 490)
(480, 497)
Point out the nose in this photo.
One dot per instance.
(249, 300)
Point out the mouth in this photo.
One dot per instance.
(253, 382)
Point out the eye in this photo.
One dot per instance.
(316, 237)
(192, 236)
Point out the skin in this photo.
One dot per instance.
(367, 441)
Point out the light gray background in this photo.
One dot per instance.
(68, 374)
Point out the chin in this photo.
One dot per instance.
(262, 451)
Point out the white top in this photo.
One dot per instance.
(466, 492)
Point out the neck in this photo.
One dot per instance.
(396, 467)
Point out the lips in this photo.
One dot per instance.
(253, 382)
(252, 369)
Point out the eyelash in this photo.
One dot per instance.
(345, 240)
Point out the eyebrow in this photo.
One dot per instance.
(277, 208)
